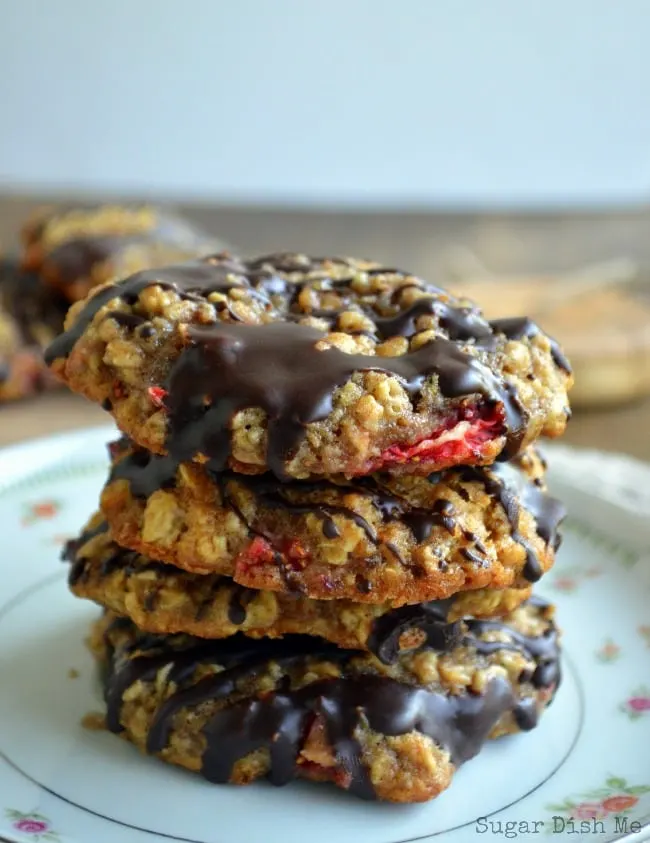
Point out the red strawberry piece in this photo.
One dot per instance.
(442, 448)
(157, 395)
(259, 552)
(118, 389)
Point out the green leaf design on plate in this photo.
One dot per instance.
(615, 782)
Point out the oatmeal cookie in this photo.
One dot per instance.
(374, 539)
(76, 249)
(30, 318)
(310, 366)
(237, 710)
(162, 599)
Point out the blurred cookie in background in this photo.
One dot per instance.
(600, 314)
(65, 252)
(30, 318)
(73, 250)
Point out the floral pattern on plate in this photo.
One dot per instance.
(615, 798)
(40, 511)
(609, 652)
(638, 704)
(32, 825)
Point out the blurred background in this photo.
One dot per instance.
(501, 148)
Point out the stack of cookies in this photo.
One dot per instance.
(316, 545)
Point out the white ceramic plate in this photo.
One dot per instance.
(589, 759)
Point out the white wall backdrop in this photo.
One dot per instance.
(402, 102)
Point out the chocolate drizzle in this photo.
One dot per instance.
(516, 328)
(461, 323)
(193, 280)
(145, 472)
(421, 522)
(542, 648)
(279, 722)
(547, 511)
(269, 494)
(505, 482)
(512, 490)
(278, 368)
(230, 366)
(427, 623)
(428, 619)
(240, 597)
(114, 558)
(71, 553)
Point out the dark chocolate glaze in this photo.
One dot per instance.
(116, 558)
(547, 511)
(204, 605)
(420, 522)
(277, 367)
(240, 597)
(70, 552)
(430, 619)
(526, 714)
(461, 323)
(230, 366)
(279, 721)
(512, 489)
(193, 280)
(128, 320)
(145, 472)
(476, 558)
(542, 648)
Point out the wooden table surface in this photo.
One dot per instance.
(416, 240)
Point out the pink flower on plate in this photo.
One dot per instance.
(588, 811)
(33, 824)
(30, 826)
(636, 706)
(639, 703)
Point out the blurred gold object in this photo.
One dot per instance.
(599, 313)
